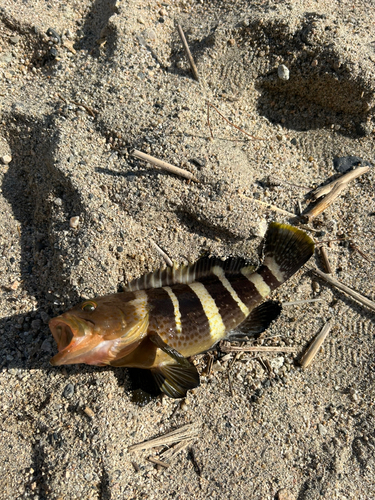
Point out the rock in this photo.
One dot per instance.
(283, 72)
(6, 159)
(68, 391)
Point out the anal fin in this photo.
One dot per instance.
(175, 380)
(259, 319)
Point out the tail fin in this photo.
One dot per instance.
(286, 250)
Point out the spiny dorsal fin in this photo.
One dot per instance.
(187, 273)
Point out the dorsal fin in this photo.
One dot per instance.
(187, 273)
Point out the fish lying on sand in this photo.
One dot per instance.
(165, 317)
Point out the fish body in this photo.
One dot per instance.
(165, 317)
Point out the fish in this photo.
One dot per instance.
(165, 317)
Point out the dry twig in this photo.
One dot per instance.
(232, 348)
(230, 123)
(327, 264)
(332, 191)
(315, 345)
(158, 462)
(162, 253)
(171, 453)
(164, 165)
(333, 281)
(268, 206)
(184, 432)
(298, 302)
(188, 53)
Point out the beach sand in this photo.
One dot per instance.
(81, 84)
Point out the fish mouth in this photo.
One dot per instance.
(68, 332)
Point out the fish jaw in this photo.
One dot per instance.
(77, 342)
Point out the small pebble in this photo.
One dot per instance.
(58, 202)
(6, 159)
(285, 494)
(89, 412)
(322, 430)
(14, 39)
(74, 222)
(14, 285)
(283, 72)
(68, 391)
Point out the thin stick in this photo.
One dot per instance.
(170, 453)
(327, 264)
(333, 281)
(230, 123)
(158, 462)
(232, 348)
(332, 191)
(315, 345)
(184, 432)
(344, 179)
(298, 302)
(162, 253)
(188, 53)
(268, 206)
(164, 165)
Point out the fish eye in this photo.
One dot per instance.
(88, 306)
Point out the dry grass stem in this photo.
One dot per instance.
(331, 191)
(298, 302)
(325, 258)
(232, 348)
(184, 432)
(333, 281)
(230, 123)
(268, 206)
(158, 462)
(315, 345)
(164, 165)
(171, 453)
(162, 253)
(188, 53)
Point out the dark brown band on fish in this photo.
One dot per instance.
(246, 290)
(229, 309)
(194, 321)
(162, 312)
(268, 277)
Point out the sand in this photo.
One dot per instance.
(111, 76)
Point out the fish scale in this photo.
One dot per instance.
(167, 316)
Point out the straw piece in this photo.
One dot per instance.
(268, 206)
(298, 302)
(232, 348)
(332, 191)
(171, 453)
(158, 462)
(230, 123)
(164, 165)
(162, 253)
(326, 262)
(313, 349)
(333, 281)
(188, 53)
(184, 432)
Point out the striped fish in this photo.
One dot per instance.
(165, 317)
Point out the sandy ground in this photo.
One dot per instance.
(71, 107)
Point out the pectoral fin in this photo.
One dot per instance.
(177, 378)
(159, 342)
(259, 319)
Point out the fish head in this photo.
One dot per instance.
(94, 331)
